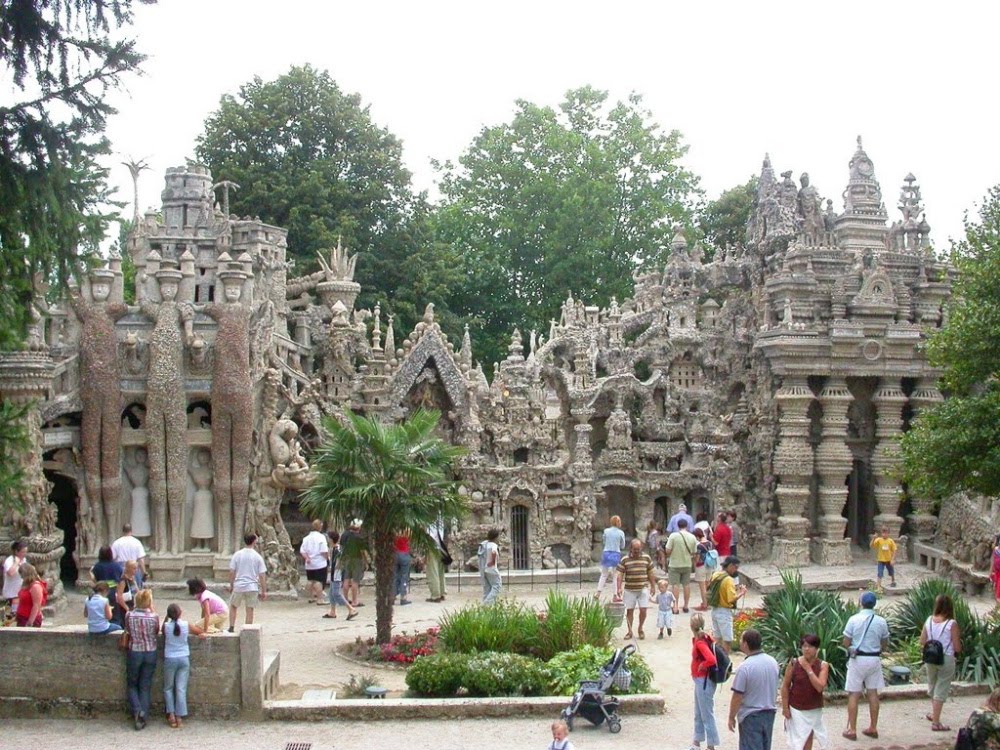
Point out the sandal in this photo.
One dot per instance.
(352, 615)
(628, 636)
(928, 717)
(328, 616)
(172, 721)
(641, 635)
(873, 733)
(937, 726)
(847, 734)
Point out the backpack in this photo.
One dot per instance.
(723, 665)
(714, 592)
(964, 739)
(933, 652)
(712, 559)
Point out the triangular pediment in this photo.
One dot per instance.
(431, 346)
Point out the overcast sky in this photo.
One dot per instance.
(738, 79)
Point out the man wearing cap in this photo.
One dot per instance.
(681, 513)
(355, 561)
(866, 634)
(723, 596)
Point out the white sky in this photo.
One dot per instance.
(738, 79)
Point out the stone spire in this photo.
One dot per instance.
(390, 341)
(465, 354)
(862, 226)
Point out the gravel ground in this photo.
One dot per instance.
(308, 661)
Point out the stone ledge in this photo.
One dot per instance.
(442, 708)
(70, 708)
(915, 691)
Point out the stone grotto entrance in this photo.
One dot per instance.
(520, 556)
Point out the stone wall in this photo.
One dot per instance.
(68, 673)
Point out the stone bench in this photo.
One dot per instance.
(928, 556)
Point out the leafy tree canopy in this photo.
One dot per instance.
(723, 221)
(557, 200)
(309, 157)
(956, 445)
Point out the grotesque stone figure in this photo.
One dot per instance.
(232, 405)
(202, 514)
(137, 470)
(165, 411)
(101, 396)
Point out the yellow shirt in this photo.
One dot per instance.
(885, 549)
(727, 591)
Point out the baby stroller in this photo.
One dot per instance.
(591, 700)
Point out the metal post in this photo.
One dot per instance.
(557, 574)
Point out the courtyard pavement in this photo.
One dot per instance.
(309, 662)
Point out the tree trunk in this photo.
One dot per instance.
(385, 594)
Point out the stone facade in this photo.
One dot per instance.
(772, 380)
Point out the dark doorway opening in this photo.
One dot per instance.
(64, 496)
(519, 554)
(860, 508)
(621, 502)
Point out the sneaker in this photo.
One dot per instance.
(670, 631)
(893, 584)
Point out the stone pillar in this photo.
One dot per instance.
(833, 464)
(25, 379)
(793, 467)
(582, 472)
(889, 400)
(923, 522)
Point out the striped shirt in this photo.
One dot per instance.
(143, 626)
(637, 571)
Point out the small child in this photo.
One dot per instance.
(665, 608)
(560, 741)
(885, 556)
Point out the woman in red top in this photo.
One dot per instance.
(702, 660)
(403, 560)
(30, 598)
(802, 696)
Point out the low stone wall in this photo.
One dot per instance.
(67, 673)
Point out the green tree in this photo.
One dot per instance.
(956, 445)
(723, 221)
(58, 59)
(309, 157)
(574, 199)
(392, 477)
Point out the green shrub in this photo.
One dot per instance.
(357, 684)
(569, 623)
(907, 617)
(492, 674)
(569, 667)
(504, 626)
(793, 611)
(437, 675)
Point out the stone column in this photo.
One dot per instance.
(793, 467)
(889, 400)
(923, 522)
(833, 464)
(581, 470)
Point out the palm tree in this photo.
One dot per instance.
(391, 476)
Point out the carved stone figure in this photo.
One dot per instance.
(232, 406)
(202, 510)
(100, 395)
(137, 471)
(165, 411)
(809, 206)
(290, 467)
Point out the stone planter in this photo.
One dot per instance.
(615, 612)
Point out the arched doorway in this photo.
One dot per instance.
(520, 556)
(64, 496)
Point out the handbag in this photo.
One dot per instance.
(964, 739)
(124, 641)
(446, 558)
(933, 652)
(691, 552)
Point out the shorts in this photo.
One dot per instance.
(664, 619)
(722, 624)
(246, 599)
(316, 576)
(864, 673)
(939, 677)
(633, 599)
(884, 566)
(354, 572)
(610, 559)
(701, 574)
(679, 576)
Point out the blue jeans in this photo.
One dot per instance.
(403, 560)
(139, 670)
(704, 712)
(176, 672)
(756, 730)
(492, 584)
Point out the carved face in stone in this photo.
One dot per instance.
(140, 456)
(233, 292)
(100, 290)
(203, 457)
(168, 290)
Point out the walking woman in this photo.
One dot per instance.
(802, 696)
(614, 545)
(142, 625)
(942, 627)
(31, 598)
(995, 568)
(403, 561)
(177, 664)
(702, 660)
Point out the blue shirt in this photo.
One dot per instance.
(175, 646)
(96, 620)
(871, 643)
(614, 539)
(672, 524)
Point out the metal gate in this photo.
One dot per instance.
(519, 555)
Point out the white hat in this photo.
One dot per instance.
(683, 507)
(356, 523)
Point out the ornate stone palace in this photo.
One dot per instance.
(772, 379)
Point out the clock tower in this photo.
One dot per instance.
(862, 226)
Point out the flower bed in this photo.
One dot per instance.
(402, 649)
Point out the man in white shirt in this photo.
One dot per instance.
(316, 554)
(247, 580)
(11, 572)
(127, 547)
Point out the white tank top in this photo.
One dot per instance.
(940, 631)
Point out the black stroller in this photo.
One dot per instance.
(591, 700)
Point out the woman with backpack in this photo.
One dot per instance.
(941, 641)
(31, 598)
(703, 659)
(802, 696)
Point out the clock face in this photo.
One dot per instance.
(865, 167)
